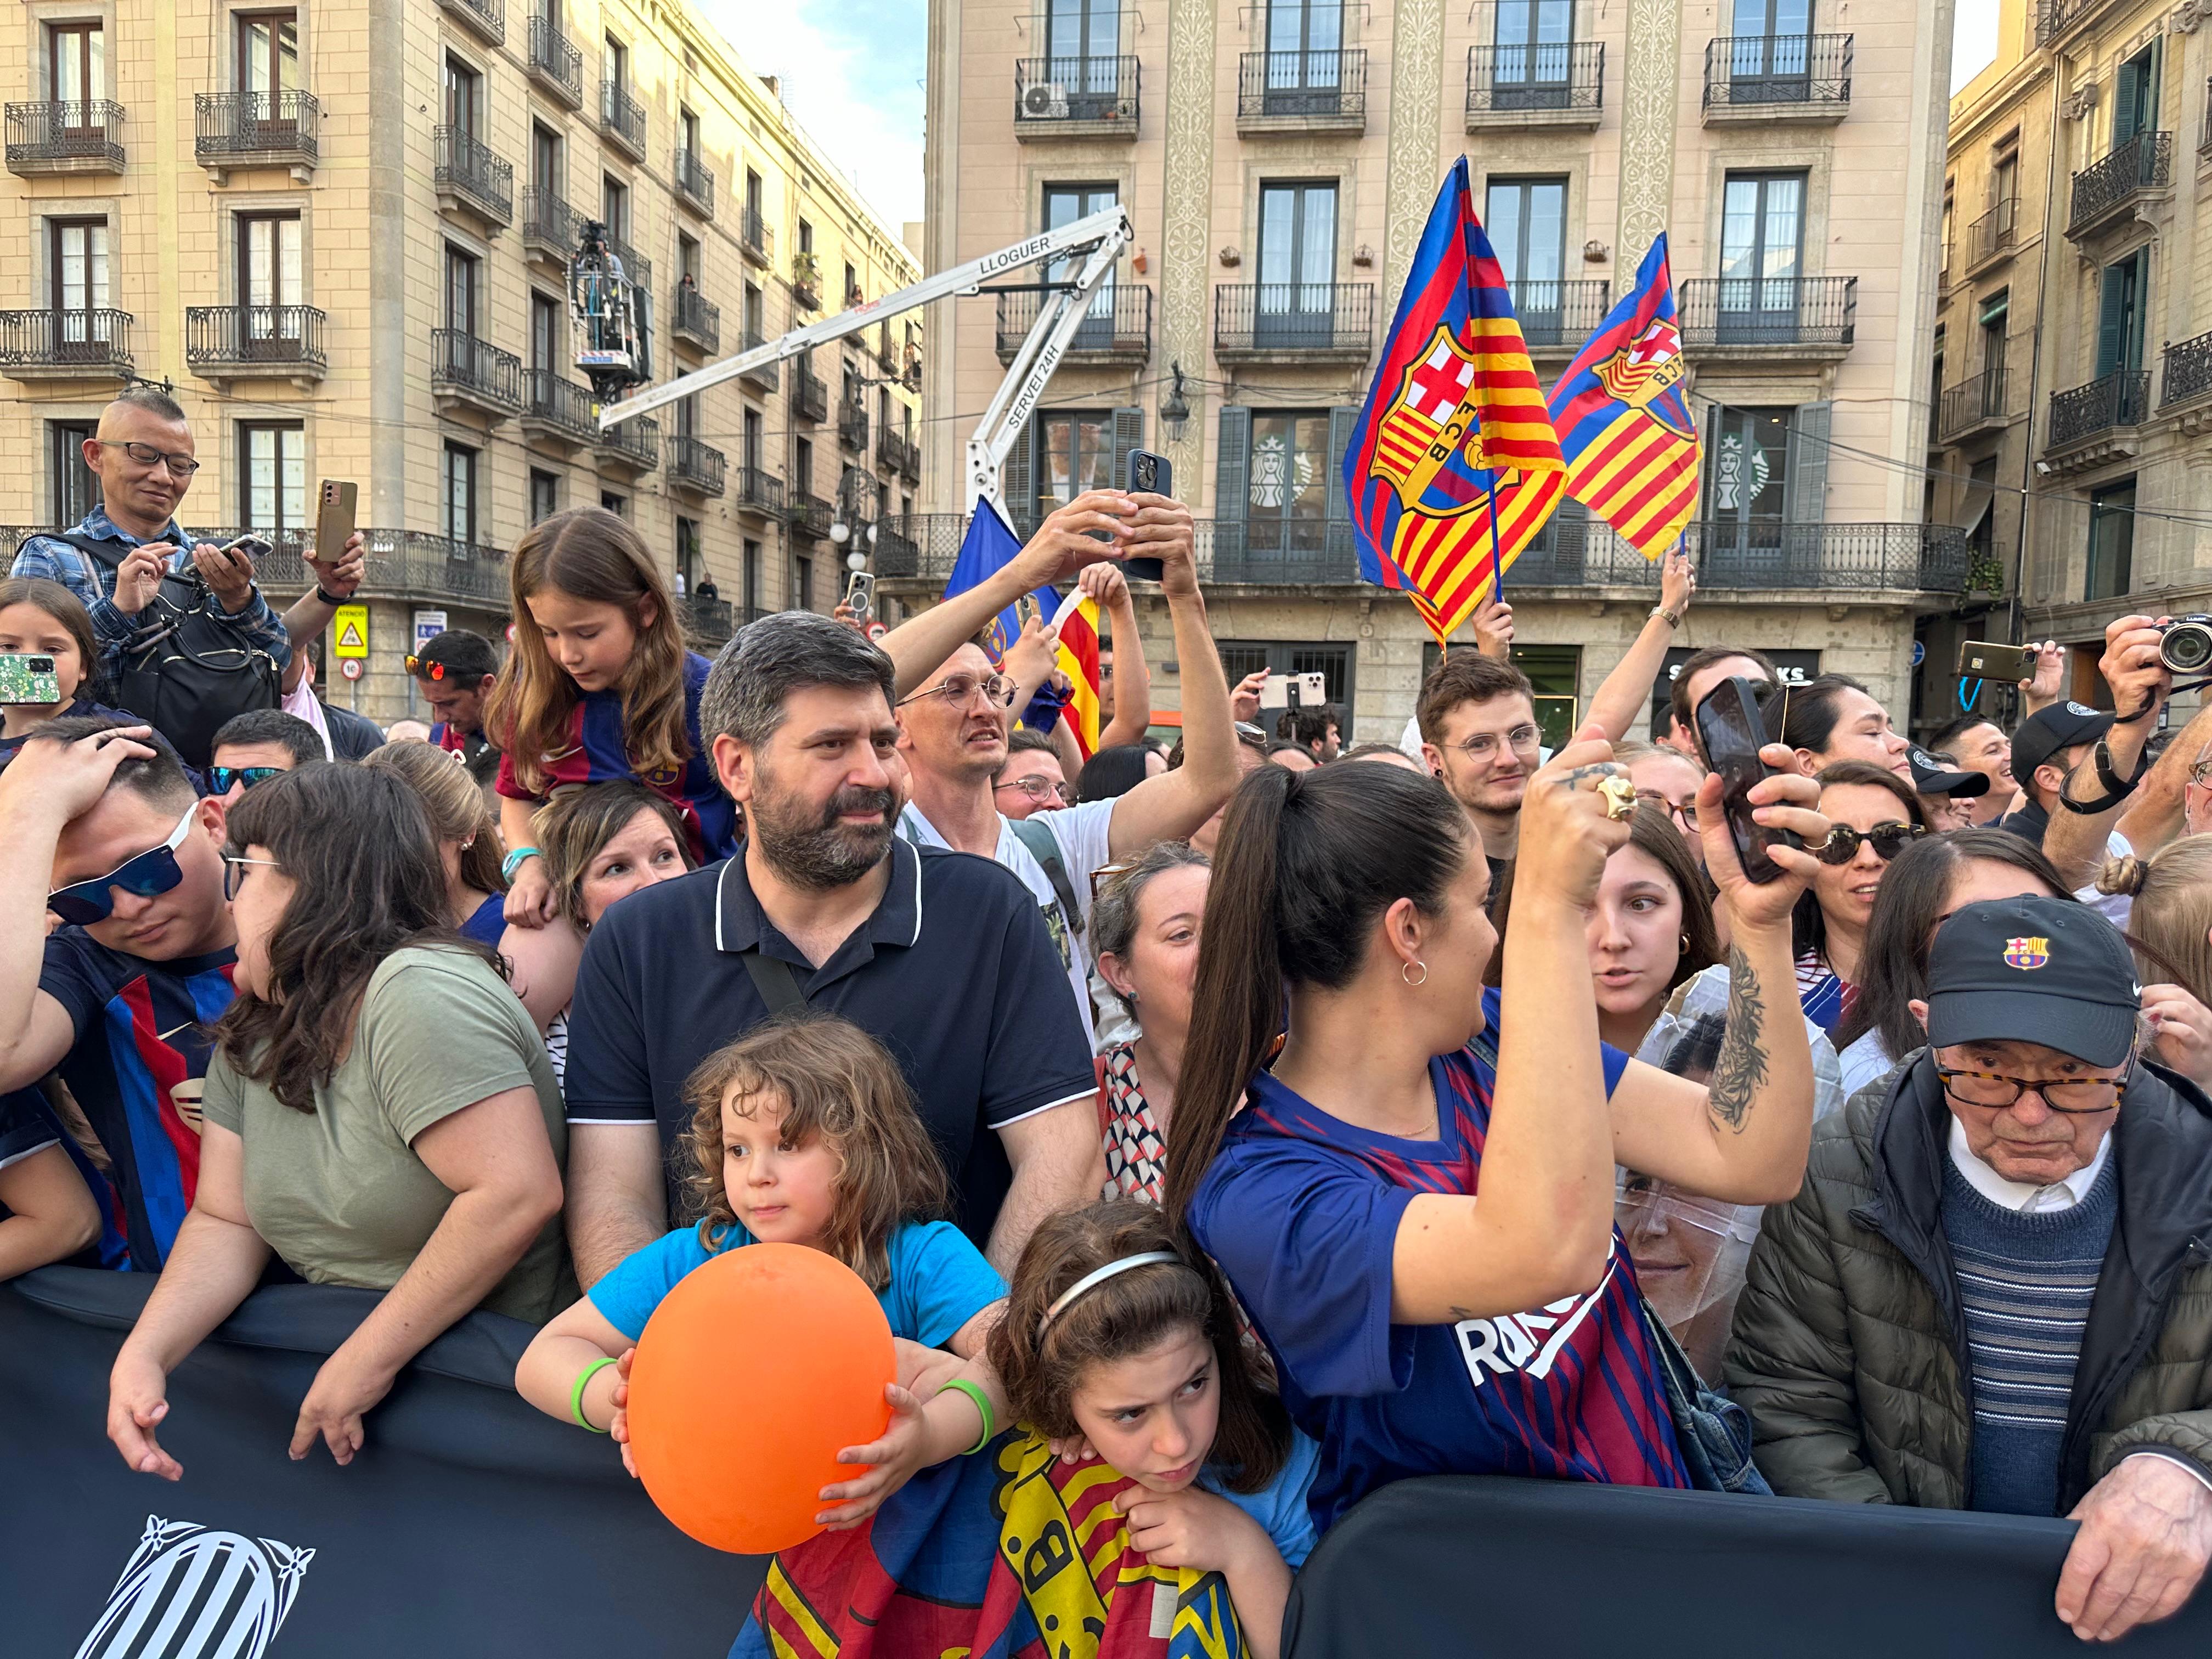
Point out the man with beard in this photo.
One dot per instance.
(1479, 735)
(942, 958)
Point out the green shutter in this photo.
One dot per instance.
(1231, 483)
(1128, 434)
(1805, 491)
(1015, 494)
(2111, 312)
(1342, 420)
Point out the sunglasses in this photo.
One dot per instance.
(154, 871)
(220, 778)
(426, 671)
(1887, 840)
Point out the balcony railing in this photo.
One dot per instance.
(280, 339)
(550, 225)
(696, 465)
(622, 118)
(898, 454)
(1307, 319)
(1118, 325)
(467, 170)
(2054, 17)
(65, 138)
(2116, 401)
(556, 61)
(853, 425)
(810, 394)
(1301, 89)
(1771, 312)
(487, 17)
(64, 344)
(697, 319)
(805, 281)
(633, 443)
(1075, 94)
(1555, 83)
(756, 236)
(759, 489)
(809, 515)
(1561, 314)
(238, 129)
(766, 376)
(1992, 233)
(400, 564)
(695, 180)
(2188, 373)
(561, 408)
(2144, 162)
(1971, 402)
(475, 370)
(1769, 74)
(635, 264)
(708, 623)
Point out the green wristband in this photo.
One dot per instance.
(982, 1404)
(576, 1395)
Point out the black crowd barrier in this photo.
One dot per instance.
(1487, 1568)
(469, 1524)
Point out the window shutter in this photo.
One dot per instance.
(1231, 483)
(1806, 491)
(2111, 311)
(1128, 434)
(2127, 103)
(1015, 494)
(641, 300)
(1342, 420)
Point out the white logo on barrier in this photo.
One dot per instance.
(191, 1593)
(1526, 1342)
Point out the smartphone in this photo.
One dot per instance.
(860, 594)
(334, 511)
(1731, 730)
(252, 545)
(1025, 609)
(1980, 660)
(29, 680)
(1149, 475)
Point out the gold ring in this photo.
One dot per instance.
(1619, 794)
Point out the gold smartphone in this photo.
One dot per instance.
(334, 513)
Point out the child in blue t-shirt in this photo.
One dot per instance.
(803, 1131)
(1121, 1343)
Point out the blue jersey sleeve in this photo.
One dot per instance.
(25, 1126)
(629, 1295)
(1308, 1240)
(940, 1281)
(1280, 1507)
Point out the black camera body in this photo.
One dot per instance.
(2186, 647)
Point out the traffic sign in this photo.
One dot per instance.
(428, 624)
(1919, 653)
(350, 668)
(352, 625)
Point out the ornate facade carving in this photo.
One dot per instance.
(1648, 92)
(1188, 204)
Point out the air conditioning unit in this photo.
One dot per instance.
(1046, 102)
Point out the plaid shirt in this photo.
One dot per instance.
(93, 583)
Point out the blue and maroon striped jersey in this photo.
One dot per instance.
(1302, 1210)
(598, 753)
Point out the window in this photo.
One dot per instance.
(1531, 43)
(1762, 220)
(802, 465)
(1747, 477)
(463, 280)
(463, 96)
(753, 198)
(751, 440)
(1769, 57)
(756, 315)
(546, 173)
(685, 411)
(269, 261)
(688, 561)
(268, 53)
(72, 486)
(272, 475)
(2004, 178)
(852, 284)
(76, 66)
(1082, 29)
(2111, 540)
(1063, 206)
(688, 258)
(614, 207)
(1286, 507)
(1074, 452)
(460, 493)
(547, 324)
(1333, 662)
(1996, 316)
(1304, 56)
(803, 568)
(544, 494)
(617, 66)
(1528, 223)
(1297, 300)
(750, 575)
(688, 126)
(78, 270)
(616, 504)
(2134, 96)
(805, 237)
(2121, 306)
(1981, 497)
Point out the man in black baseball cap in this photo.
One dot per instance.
(2044, 751)
(1988, 1294)
(1944, 788)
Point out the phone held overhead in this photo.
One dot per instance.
(1149, 475)
(1731, 730)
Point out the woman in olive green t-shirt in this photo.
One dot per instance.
(379, 1113)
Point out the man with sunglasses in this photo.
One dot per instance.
(455, 671)
(105, 831)
(1991, 1292)
(254, 747)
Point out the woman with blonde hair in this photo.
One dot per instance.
(2170, 930)
(468, 835)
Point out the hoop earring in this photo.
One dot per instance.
(1405, 972)
(1684, 946)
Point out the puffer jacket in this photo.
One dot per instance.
(1849, 1346)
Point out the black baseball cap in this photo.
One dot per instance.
(2034, 969)
(1931, 777)
(2062, 725)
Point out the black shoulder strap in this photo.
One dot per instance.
(773, 978)
(110, 554)
(1044, 847)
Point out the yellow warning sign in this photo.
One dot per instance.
(352, 625)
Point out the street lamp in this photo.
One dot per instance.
(1174, 408)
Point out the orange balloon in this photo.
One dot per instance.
(752, 1375)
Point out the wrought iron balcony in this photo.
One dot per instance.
(810, 395)
(1972, 405)
(694, 181)
(1075, 97)
(764, 376)
(636, 265)
(633, 443)
(234, 342)
(555, 62)
(468, 175)
(853, 425)
(2188, 375)
(2054, 17)
(621, 118)
(1301, 91)
(760, 491)
(1118, 327)
(466, 370)
(556, 407)
(2133, 168)
(76, 137)
(1314, 321)
(898, 454)
(549, 226)
(1777, 316)
(707, 622)
(2087, 412)
(256, 129)
(805, 281)
(756, 236)
(1560, 316)
(896, 553)
(809, 515)
(698, 319)
(1797, 78)
(65, 345)
(487, 17)
(696, 466)
(400, 564)
(1989, 238)
(1550, 84)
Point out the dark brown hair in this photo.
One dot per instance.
(1466, 677)
(573, 828)
(1131, 1313)
(1652, 833)
(1808, 928)
(65, 608)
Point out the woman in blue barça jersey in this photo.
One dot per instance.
(1415, 1330)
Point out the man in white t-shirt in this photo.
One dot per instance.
(954, 722)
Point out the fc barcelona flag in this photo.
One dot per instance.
(1454, 427)
(1631, 447)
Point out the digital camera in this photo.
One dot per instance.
(2187, 647)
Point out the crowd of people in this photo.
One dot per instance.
(1150, 1092)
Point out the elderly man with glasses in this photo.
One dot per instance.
(1993, 1292)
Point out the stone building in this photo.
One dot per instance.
(341, 230)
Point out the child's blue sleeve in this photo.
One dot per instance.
(940, 1281)
(628, 1295)
(1280, 1506)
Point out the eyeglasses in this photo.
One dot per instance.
(220, 778)
(956, 689)
(2201, 773)
(426, 671)
(180, 467)
(154, 871)
(1887, 840)
(2082, 1097)
(1039, 787)
(1483, 745)
(233, 872)
(1680, 811)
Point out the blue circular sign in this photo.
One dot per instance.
(1919, 653)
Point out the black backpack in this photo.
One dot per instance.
(186, 670)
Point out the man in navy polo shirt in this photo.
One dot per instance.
(942, 957)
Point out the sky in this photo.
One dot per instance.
(1973, 39)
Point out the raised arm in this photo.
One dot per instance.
(335, 582)
(2076, 841)
(1133, 675)
(2155, 813)
(1627, 694)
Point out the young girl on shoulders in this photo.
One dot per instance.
(599, 686)
(803, 1131)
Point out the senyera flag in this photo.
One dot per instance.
(1625, 431)
(1454, 466)
(989, 544)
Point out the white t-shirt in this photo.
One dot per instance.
(1081, 833)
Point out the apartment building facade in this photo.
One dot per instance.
(1278, 161)
(342, 231)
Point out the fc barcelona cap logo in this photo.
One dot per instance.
(2027, 953)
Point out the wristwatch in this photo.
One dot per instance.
(1672, 620)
